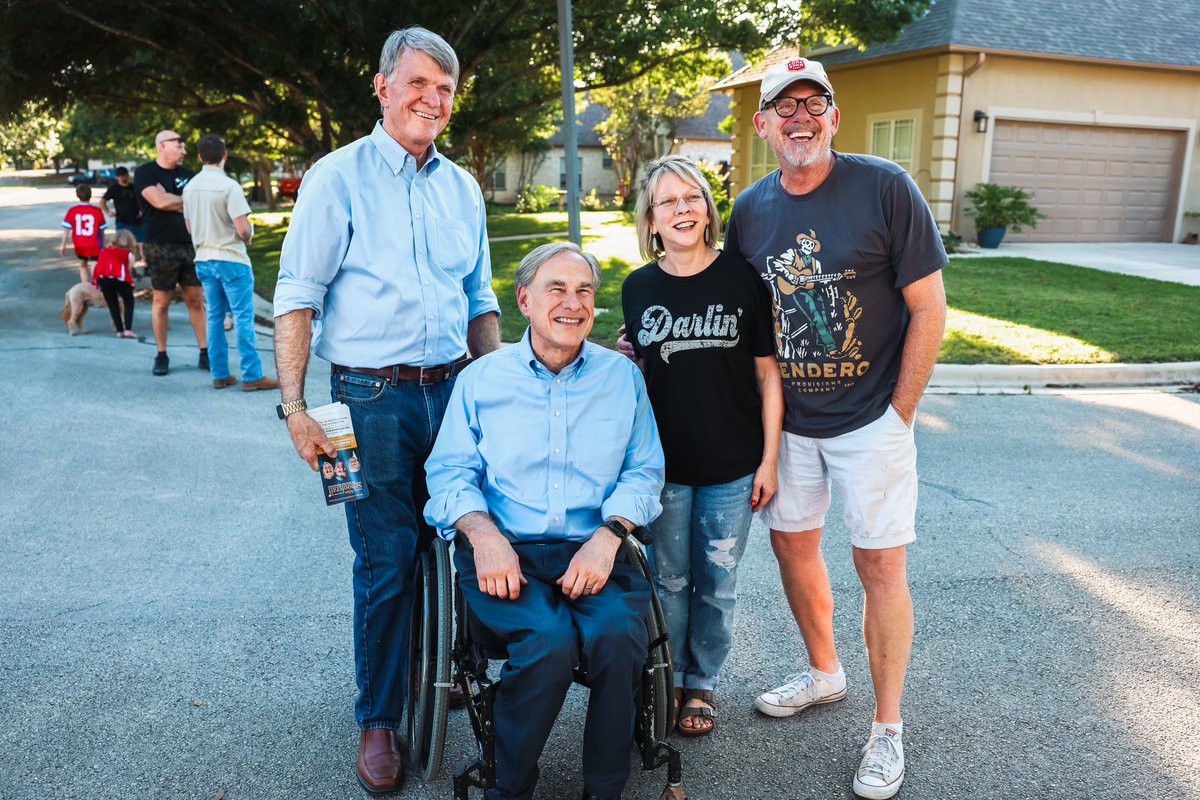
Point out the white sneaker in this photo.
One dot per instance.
(882, 769)
(800, 691)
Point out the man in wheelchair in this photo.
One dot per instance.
(547, 458)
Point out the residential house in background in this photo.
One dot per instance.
(1091, 105)
(697, 138)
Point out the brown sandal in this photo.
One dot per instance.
(708, 712)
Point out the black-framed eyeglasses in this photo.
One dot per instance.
(786, 107)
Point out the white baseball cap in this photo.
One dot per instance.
(785, 73)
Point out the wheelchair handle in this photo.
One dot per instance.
(642, 535)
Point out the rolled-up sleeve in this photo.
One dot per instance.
(477, 285)
(455, 468)
(316, 243)
(636, 495)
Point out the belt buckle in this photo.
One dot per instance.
(428, 375)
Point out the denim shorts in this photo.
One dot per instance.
(875, 471)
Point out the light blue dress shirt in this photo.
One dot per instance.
(392, 260)
(549, 457)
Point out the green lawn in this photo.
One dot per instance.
(551, 222)
(1002, 310)
(1019, 311)
(264, 254)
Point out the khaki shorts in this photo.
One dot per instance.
(171, 264)
(875, 471)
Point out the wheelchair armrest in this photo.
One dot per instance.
(642, 535)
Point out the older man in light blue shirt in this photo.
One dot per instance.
(547, 458)
(385, 273)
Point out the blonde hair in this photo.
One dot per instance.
(686, 170)
(124, 240)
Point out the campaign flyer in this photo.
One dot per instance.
(341, 476)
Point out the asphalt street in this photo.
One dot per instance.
(175, 605)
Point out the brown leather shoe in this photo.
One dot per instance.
(380, 767)
(221, 383)
(260, 384)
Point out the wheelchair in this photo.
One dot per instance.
(440, 659)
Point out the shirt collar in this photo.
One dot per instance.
(539, 370)
(397, 157)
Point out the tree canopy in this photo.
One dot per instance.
(645, 112)
(299, 71)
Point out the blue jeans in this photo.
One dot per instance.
(136, 230)
(229, 286)
(698, 542)
(395, 427)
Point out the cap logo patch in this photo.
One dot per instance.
(797, 65)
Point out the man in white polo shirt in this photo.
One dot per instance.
(217, 213)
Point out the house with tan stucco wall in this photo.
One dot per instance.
(1091, 105)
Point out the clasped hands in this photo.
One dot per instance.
(499, 569)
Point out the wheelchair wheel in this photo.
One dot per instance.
(661, 703)
(663, 679)
(429, 661)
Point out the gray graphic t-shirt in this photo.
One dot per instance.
(834, 262)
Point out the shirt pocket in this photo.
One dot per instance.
(454, 247)
(600, 450)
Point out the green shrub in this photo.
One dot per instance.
(995, 206)
(536, 199)
(717, 179)
(591, 202)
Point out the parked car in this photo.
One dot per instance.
(289, 187)
(93, 176)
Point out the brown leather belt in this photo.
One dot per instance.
(399, 372)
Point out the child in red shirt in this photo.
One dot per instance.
(114, 278)
(84, 225)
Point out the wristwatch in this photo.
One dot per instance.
(285, 410)
(616, 528)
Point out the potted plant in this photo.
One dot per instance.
(997, 208)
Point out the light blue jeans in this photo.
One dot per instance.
(229, 287)
(698, 542)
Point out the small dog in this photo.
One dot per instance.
(75, 306)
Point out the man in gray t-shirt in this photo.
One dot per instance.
(852, 257)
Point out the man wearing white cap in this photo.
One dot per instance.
(857, 335)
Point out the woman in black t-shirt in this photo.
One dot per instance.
(701, 327)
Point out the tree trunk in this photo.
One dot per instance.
(263, 170)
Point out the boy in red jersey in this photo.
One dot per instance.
(84, 226)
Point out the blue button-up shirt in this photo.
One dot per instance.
(392, 260)
(549, 457)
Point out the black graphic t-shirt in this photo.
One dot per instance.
(834, 261)
(697, 337)
(125, 203)
(162, 227)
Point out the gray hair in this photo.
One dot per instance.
(417, 38)
(685, 169)
(539, 255)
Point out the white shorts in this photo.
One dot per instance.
(874, 469)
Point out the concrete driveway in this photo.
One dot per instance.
(1165, 262)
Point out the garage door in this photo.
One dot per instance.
(1095, 184)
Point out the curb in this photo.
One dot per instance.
(1022, 377)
